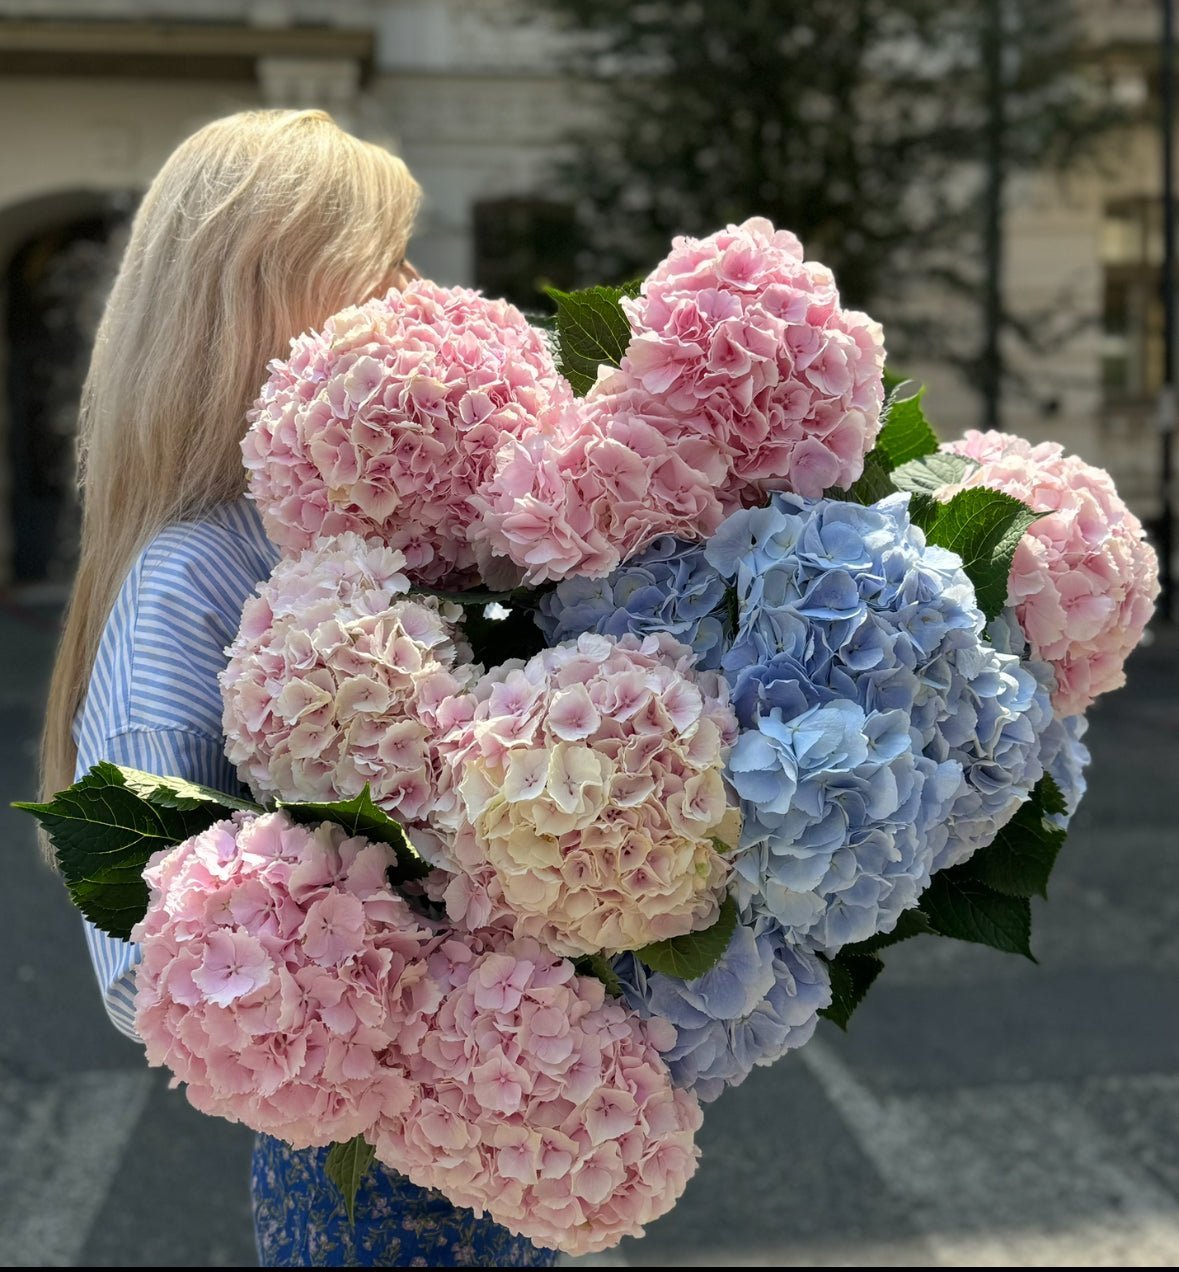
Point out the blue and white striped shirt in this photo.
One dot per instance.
(153, 702)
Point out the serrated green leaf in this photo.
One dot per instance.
(360, 816)
(893, 380)
(852, 975)
(962, 907)
(911, 923)
(1019, 860)
(905, 433)
(984, 528)
(178, 792)
(599, 967)
(105, 827)
(692, 955)
(930, 473)
(346, 1166)
(592, 331)
(924, 511)
(873, 484)
(1051, 797)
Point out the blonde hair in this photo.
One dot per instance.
(258, 226)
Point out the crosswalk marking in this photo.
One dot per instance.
(61, 1143)
(1006, 1176)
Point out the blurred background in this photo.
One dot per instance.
(986, 176)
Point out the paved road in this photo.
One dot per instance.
(982, 1112)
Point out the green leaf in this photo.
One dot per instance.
(360, 816)
(692, 955)
(959, 906)
(873, 484)
(1019, 860)
(178, 792)
(106, 826)
(911, 923)
(893, 381)
(905, 433)
(1051, 797)
(930, 473)
(852, 975)
(346, 1165)
(732, 611)
(984, 528)
(599, 966)
(592, 330)
(924, 511)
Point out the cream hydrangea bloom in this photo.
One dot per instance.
(586, 793)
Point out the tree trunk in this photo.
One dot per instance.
(991, 357)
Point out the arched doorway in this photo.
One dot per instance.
(54, 284)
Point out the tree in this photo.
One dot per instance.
(859, 125)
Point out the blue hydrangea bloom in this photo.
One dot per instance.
(668, 588)
(881, 735)
(1062, 754)
(992, 721)
(761, 1000)
(1065, 757)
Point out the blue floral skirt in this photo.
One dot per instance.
(300, 1222)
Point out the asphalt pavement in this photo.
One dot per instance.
(982, 1111)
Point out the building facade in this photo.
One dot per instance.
(1083, 254)
(95, 93)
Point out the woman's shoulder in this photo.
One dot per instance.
(193, 578)
(179, 607)
(229, 536)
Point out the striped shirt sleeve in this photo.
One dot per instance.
(153, 701)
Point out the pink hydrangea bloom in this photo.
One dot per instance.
(593, 484)
(335, 679)
(386, 422)
(743, 375)
(744, 344)
(588, 782)
(539, 1101)
(1084, 579)
(276, 969)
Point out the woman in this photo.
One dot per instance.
(257, 227)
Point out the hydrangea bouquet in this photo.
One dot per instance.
(626, 687)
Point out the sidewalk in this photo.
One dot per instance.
(982, 1111)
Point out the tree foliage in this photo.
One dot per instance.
(859, 125)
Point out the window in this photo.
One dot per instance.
(1132, 324)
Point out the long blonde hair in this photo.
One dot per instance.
(258, 226)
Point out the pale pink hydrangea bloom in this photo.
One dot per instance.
(743, 375)
(590, 487)
(588, 783)
(537, 1100)
(1084, 579)
(335, 679)
(276, 964)
(747, 345)
(387, 421)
